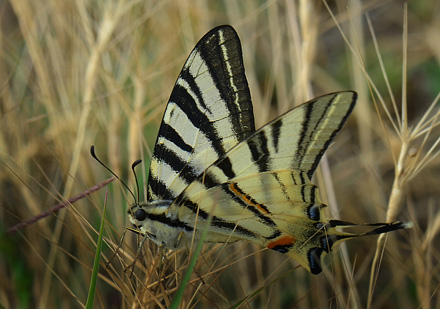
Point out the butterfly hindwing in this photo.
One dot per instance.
(278, 210)
(208, 113)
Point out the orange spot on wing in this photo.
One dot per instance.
(283, 241)
(245, 198)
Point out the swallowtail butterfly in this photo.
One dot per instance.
(212, 170)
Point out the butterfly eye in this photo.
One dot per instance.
(140, 214)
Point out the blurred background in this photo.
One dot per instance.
(80, 73)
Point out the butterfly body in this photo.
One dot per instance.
(212, 171)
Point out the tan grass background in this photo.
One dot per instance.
(77, 73)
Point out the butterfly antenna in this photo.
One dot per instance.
(92, 152)
(136, 163)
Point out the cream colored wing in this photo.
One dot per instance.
(209, 112)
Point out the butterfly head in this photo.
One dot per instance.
(153, 220)
(140, 212)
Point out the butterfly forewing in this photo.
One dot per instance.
(294, 141)
(208, 113)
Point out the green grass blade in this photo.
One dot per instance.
(179, 294)
(93, 280)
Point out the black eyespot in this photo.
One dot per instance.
(319, 225)
(314, 212)
(314, 259)
(328, 241)
(140, 214)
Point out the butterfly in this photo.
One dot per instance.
(212, 170)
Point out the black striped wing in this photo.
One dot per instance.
(247, 182)
(294, 141)
(261, 190)
(209, 112)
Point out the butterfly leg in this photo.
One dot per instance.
(115, 252)
(163, 250)
(138, 251)
(178, 240)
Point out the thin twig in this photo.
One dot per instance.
(59, 206)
